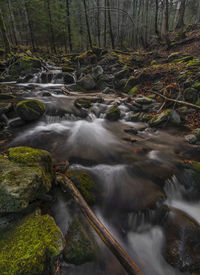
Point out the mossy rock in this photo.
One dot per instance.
(83, 103)
(80, 244)
(30, 109)
(4, 96)
(31, 246)
(129, 84)
(174, 56)
(25, 174)
(113, 114)
(158, 119)
(67, 69)
(197, 86)
(133, 91)
(25, 65)
(85, 184)
(190, 95)
(196, 132)
(122, 74)
(194, 63)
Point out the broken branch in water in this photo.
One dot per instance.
(102, 231)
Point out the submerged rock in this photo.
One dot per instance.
(113, 114)
(31, 247)
(30, 110)
(24, 176)
(182, 241)
(80, 244)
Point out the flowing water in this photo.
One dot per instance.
(127, 169)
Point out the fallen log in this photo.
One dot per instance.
(101, 230)
(177, 101)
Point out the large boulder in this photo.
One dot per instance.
(25, 175)
(68, 78)
(87, 82)
(113, 113)
(80, 244)
(182, 241)
(30, 109)
(25, 65)
(31, 247)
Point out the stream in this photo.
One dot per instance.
(134, 168)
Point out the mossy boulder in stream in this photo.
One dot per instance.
(25, 175)
(30, 110)
(158, 119)
(25, 65)
(80, 244)
(31, 246)
(113, 114)
(85, 184)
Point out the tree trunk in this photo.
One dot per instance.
(156, 19)
(105, 24)
(165, 24)
(108, 239)
(53, 46)
(110, 26)
(69, 25)
(98, 24)
(4, 34)
(87, 24)
(180, 24)
(27, 15)
(13, 22)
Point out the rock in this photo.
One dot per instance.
(80, 244)
(97, 72)
(182, 241)
(158, 119)
(87, 82)
(122, 74)
(175, 118)
(144, 100)
(158, 86)
(133, 91)
(85, 184)
(191, 139)
(83, 103)
(16, 122)
(67, 69)
(174, 56)
(108, 90)
(30, 109)
(196, 132)
(24, 175)
(5, 108)
(130, 83)
(190, 95)
(6, 96)
(197, 86)
(113, 114)
(46, 94)
(25, 65)
(31, 247)
(68, 78)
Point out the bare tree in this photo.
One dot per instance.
(180, 24)
(87, 23)
(69, 25)
(4, 34)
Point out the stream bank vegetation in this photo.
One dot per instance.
(100, 109)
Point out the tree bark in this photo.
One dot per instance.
(165, 24)
(105, 235)
(13, 22)
(53, 46)
(69, 25)
(4, 34)
(156, 19)
(105, 24)
(98, 24)
(87, 24)
(180, 25)
(110, 26)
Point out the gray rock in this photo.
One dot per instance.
(87, 82)
(175, 118)
(68, 78)
(191, 139)
(122, 74)
(97, 72)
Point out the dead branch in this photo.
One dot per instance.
(102, 231)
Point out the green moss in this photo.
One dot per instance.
(113, 114)
(24, 65)
(30, 109)
(198, 102)
(84, 183)
(80, 246)
(197, 86)
(133, 91)
(30, 246)
(194, 63)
